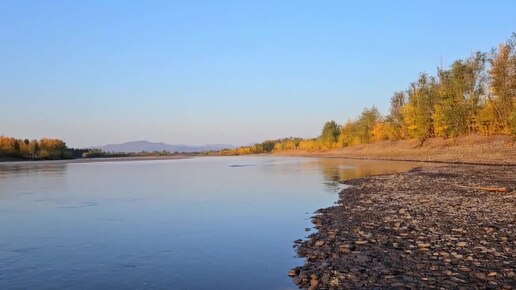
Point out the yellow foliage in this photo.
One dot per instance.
(383, 131)
(308, 145)
(440, 125)
(409, 119)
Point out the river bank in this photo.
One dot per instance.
(472, 149)
(448, 226)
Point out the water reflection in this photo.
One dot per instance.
(335, 171)
(343, 169)
(8, 170)
(339, 170)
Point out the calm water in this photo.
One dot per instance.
(203, 223)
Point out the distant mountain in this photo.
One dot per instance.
(139, 146)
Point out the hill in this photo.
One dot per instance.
(139, 146)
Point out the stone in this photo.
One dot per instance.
(458, 280)
(334, 282)
(314, 282)
(319, 243)
(465, 269)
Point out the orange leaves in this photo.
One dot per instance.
(45, 148)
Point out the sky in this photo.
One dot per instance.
(232, 72)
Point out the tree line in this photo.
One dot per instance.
(55, 149)
(43, 149)
(476, 95)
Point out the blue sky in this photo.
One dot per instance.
(198, 72)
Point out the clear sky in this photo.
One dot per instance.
(199, 72)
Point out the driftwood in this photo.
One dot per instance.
(495, 189)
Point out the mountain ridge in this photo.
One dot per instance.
(144, 145)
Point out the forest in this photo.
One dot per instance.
(476, 95)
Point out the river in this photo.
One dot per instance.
(201, 223)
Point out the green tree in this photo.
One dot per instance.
(395, 117)
(365, 124)
(422, 97)
(460, 90)
(330, 133)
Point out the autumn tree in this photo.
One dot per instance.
(346, 136)
(503, 82)
(45, 148)
(419, 111)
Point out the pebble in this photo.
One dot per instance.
(319, 243)
(461, 244)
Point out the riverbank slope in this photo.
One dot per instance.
(446, 226)
(466, 149)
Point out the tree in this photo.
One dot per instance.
(33, 149)
(347, 135)
(475, 79)
(418, 112)
(395, 117)
(503, 81)
(512, 120)
(365, 123)
(330, 134)
(460, 90)
(383, 131)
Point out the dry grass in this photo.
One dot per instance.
(466, 149)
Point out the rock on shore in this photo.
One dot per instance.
(434, 227)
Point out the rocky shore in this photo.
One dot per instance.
(444, 227)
